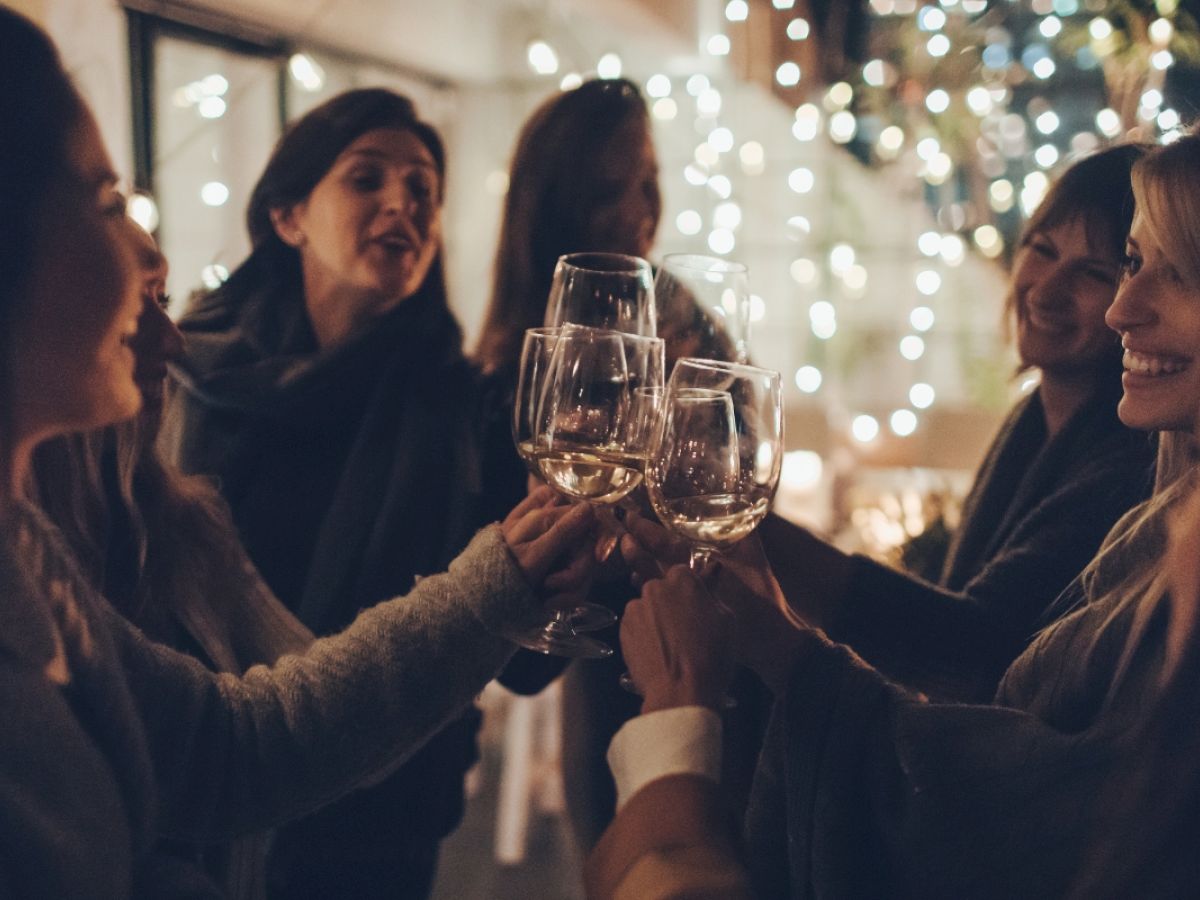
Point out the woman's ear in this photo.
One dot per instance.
(283, 220)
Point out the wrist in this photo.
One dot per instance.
(674, 694)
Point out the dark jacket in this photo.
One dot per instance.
(350, 473)
(865, 790)
(1035, 516)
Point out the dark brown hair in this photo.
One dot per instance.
(40, 108)
(554, 189)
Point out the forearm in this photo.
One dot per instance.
(239, 754)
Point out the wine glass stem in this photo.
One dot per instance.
(698, 557)
(560, 625)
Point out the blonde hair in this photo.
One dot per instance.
(1128, 568)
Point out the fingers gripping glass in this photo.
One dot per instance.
(561, 635)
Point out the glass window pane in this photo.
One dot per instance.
(216, 118)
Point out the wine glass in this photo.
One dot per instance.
(711, 478)
(583, 418)
(703, 306)
(603, 290)
(536, 353)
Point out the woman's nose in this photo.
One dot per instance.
(160, 331)
(1130, 308)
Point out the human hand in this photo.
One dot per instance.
(649, 549)
(768, 629)
(550, 540)
(678, 643)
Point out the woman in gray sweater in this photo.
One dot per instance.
(110, 740)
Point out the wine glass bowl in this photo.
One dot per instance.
(603, 290)
(715, 467)
(703, 305)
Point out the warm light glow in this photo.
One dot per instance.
(609, 66)
(664, 109)
(1047, 122)
(930, 18)
(801, 180)
(842, 126)
(213, 276)
(929, 243)
(658, 86)
(912, 347)
(496, 183)
(211, 108)
(694, 176)
(841, 257)
(1108, 122)
(988, 240)
(689, 222)
(938, 45)
(305, 72)
(709, 102)
(737, 10)
(921, 395)
(952, 249)
(721, 241)
(697, 84)
(727, 215)
(572, 80)
(808, 379)
(808, 122)
(718, 45)
(798, 29)
(1001, 195)
(840, 94)
(979, 99)
(214, 193)
(1100, 29)
(803, 271)
(706, 155)
(855, 278)
(788, 74)
(921, 318)
(721, 186)
(752, 157)
(1046, 155)
(143, 210)
(903, 422)
(874, 73)
(1162, 59)
(1050, 26)
(928, 282)
(891, 138)
(864, 428)
(721, 139)
(542, 58)
(938, 101)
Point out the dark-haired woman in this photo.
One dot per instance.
(1058, 475)
(326, 389)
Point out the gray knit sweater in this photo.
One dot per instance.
(143, 741)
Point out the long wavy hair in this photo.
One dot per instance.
(554, 188)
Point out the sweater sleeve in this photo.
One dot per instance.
(865, 790)
(237, 754)
(958, 644)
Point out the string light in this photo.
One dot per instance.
(665, 109)
(808, 379)
(788, 74)
(658, 86)
(903, 422)
(798, 29)
(689, 222)
(737, 10)
(912, 347)
(801, 180)
(718, 45)
(864, 428)
(921, 395)
(542, 58)
(609, 66)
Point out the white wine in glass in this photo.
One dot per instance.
(711, 479)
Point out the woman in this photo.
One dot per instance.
(110, 740)
(160, 546)
(584, 177)
(1058, 475)
(326, 390)
(1069, 784)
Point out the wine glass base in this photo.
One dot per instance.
(574, 646)
(591, 617)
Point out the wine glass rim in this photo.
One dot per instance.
(544, 331)
(702, 262)
(698, 395)
(732, 368)
(607, 263)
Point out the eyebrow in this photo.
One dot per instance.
(370, 153)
